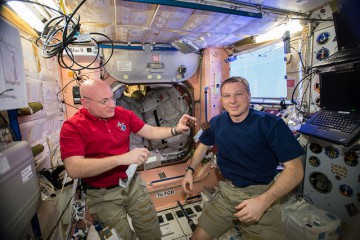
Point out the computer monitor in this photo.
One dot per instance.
(346, 22)
(339, 90)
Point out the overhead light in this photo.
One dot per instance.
(185, 46)
(244, 41)
(52, 5)
(28, 16)
(293, 26)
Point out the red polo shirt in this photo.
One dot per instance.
(91, 137)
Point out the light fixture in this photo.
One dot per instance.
(185, 46)
(50, 4)
(28, 16)
(293, 26)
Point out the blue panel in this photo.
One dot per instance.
(128, 47)
(14, 124)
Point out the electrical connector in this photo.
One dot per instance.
(83, 38)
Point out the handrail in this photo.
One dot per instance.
(175, 177)
(165, 179)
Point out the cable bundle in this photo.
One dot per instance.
(63, 31)
(47, 189)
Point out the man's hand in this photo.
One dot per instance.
(137, 155)
(187, 183)
(185, 122)
(251, 210)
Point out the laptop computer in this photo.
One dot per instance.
(338, 120)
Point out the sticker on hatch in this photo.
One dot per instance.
(165, 193)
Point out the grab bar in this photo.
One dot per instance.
(165, 179)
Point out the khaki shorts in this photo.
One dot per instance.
(218, 214)
(105, 205)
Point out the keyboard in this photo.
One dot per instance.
(343, 122)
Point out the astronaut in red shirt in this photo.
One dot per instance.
(95, 147)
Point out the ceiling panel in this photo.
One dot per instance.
(203, 21)
(133, 22)
(231, 24)
(170, 17)
(134, 14)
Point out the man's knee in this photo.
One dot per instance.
(200, 234)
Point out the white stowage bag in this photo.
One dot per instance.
(304, 221)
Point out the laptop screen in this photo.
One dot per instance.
(340, 90)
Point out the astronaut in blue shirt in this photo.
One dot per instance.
(251, 144)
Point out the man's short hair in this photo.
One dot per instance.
(236, 79)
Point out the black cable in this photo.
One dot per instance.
(67, 40)
(78, 78)
(64, 87)
(104, 74)
(293, 93)
(70, 18)
(303, 96)
(53, 46)
(69, 104)
(305, 68)
(69, 53)
(296, 86)
(304, 93)
(59, 219)
(190, 221)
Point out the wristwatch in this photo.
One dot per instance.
(189, 168)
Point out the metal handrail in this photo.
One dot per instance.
(165, 179)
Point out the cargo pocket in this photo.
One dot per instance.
(95, 211)
(143, 213)
(142, 196)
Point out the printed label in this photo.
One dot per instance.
(26, 174)
(165, 193)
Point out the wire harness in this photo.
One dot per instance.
(62, 33)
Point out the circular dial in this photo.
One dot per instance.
(315, 148)
(332, 152)
(314, 161)
(320, 182)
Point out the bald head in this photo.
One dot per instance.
(94, 88)
(93, 94)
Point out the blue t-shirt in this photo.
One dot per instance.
(250, 151)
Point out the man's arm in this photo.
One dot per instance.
(80, 167)
(252, 209)
(187, 183)
(158, 133)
